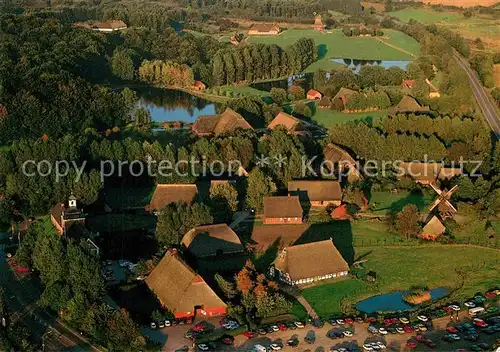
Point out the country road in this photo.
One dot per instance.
(482, 98)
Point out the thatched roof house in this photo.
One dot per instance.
(227, 122)
(283, 235)
(433, 229)
(316, 192)
(325, 103)
(313, 94)
(408, 105)
(336, 157)
(264, 29)
(294, 264)
(181, 290)
(278, 210)
(318, 24)
(165, 194)
(344, 95)
(424, 173)
(211, 241)
(292, 124)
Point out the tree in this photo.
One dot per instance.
(178, 218)
(259, 186)
(226, 286)
(6, 211)
(296, 92)
(223, 201)
(122, 333)
(49, 256)
(278, 95)
(407, 221)
(142, 117)
(122, 64)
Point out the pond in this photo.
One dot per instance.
(355, 65)
(305, 80)
(173, 105)
(392, 302)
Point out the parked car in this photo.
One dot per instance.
(372, 329)
(299, 324)
(168, 323)
(422, 318)
(411, 345)
(152, 325)
(408, 329)
(451, 330)
(404, 320)
(161, 324)
(340, 321)
(275, 347)
(348, 333)
(282, 327)
(269, 329)
(469, 304)
(331, 334)
(382, 331)
(261, 331)
(480, 322)
(251, 334)
(275, 328)
(291, 325)
(227, 340)
(348, 321)
(455, 307)
(293, 342)
(318, 323)
(203, 347)
(400, 330)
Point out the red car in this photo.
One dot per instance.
(228, 340)
(411, 345)
(394, 320)
(348, 321)
(387, 322)
(451, 330)
(371, 320)
(408, 329)
(282, 327)
(481, 323)
(250, 334)
(198, 328)
(420, 338)
(448, 309)
(490, 294)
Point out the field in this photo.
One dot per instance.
(398, 268)
(388, 203)
(333, 44)
(328, 117)
(496, 74)
(471, 28)
(461, 3)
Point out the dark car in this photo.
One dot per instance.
(471, 337)
(291, 325)
(227, 340)
(331, 335)
(268, 329)
(310, 337)
(318, 323)
(261, 331)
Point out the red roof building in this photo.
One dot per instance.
(313, 94)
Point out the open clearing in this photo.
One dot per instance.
(461, 3)
(328, 117)
(333, 44)
(399, 268)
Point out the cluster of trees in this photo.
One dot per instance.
(73, 285)
(358, 31)
(258, 61)
(496, 95)
(483, 63)
(167, 74)
(252, 295)
(368, 100)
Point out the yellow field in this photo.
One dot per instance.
(496, 74)
(462, 3)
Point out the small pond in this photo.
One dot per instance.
(173, 105)
(392, 302)
(355, 65)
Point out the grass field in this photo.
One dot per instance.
(425, 15)
(328, 117)
(387, 203)
(398, 268)
(333, 44)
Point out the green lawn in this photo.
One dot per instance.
(425, 15)
(333, 44)
(387, 203)
(247, 90)
(399, 268)
(328, 117)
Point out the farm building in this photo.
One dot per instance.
(199, 85)
(433, 91)
(423, 173)
(337, 158)
(408, 84)
(181, 290)
(432, 230)
(408, 105)
(283, 235)
(317, 193)
(211, 241)
(313, 94)
(282, 210)
(227, 122)
(325, 103)
(69, 220)
(165, 194)
(264, 29)
(343, 96)
(105, 26)
(293, 265)
(292, 124)
(318, 24)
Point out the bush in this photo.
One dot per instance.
(217, 335)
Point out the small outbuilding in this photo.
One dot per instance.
(264, 29)
(432, 230)
(212, 241)
(313, 94)
(282, 210)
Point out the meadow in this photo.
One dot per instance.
(329, 118)
(399, 268)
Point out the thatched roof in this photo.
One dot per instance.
(336, 155)
(313, 94)
(264, 28)
(408, 104)
(209, 240)
(282, 207)
(311, 260)
(325, 102)
(288, 121)
(421, 172)
(165, 194)
(265, 236)
(315, 190)
(433, 229)
(179, 288)
(344, 95)
(227, 122)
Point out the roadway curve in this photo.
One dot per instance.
(487, 106)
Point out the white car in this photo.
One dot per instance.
(299, 324)
(368, 347)
(455, 307)
(275, 347)
(382, 331)
(340, 321)
(275, 328)
(161, 324)
(168, 323)
(381, 345)
(203, 347)
(153, 325)
(469, 304)
(342, 349)
(400, 330)
(455, 337)
(404, 320)
(348, 333)
(422, 318)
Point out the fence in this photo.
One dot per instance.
(369, 242)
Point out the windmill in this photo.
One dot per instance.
(445, 208)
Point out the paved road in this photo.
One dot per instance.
(485, 103)
(21, 296)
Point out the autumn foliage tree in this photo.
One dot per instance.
(407, 221)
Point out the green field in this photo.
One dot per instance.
(389, 203)
(398, 268)
(425, 15)
(328, 117)
(333, 44)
